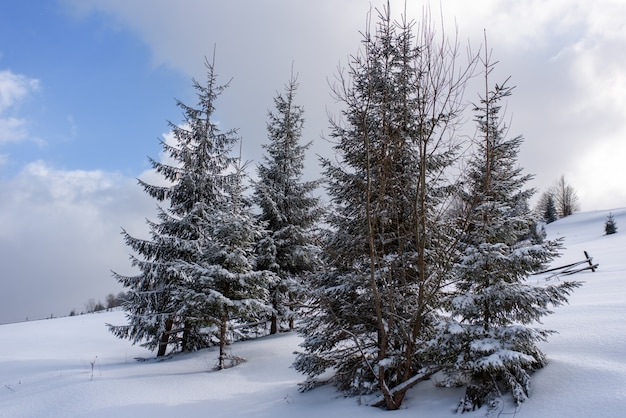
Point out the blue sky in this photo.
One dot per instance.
(87, 88)
(99, 102)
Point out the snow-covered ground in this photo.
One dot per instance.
(73, 367)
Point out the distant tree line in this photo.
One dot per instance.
(110, 301)
(407, 272)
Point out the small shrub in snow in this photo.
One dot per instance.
(610, 227)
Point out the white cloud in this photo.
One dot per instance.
(601, 177)
(567, 63)
(12, 129)
(60, 237)
(14, 89)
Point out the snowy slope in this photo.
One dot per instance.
(46, 366)
(586, 374)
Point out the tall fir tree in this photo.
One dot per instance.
(225, 286)
(386, 255)
(199, 196)
(289, 211)
(490, 340)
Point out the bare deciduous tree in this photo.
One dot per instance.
(565, 198)
(111, 301)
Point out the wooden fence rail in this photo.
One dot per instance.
(572, 268)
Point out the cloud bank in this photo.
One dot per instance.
(60, 237)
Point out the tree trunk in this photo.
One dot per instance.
(274, 324)
(276, 306)
(185, 342)
(223, 329)
(165, 338)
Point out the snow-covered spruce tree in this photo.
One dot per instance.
(289, 212)
(550, 215)
(490, 342)
(197, 193)
(387, 254)
(546, 208)
(224, 285)
(610, 226)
